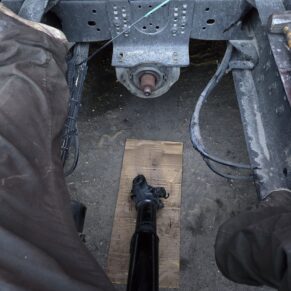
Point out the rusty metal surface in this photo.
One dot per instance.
(266, 112)
(277, 22)
(282, 57)
(147, 83)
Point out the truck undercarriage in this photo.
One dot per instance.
(150, 46)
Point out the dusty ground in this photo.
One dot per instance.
(111, 115)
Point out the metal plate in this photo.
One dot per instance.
(162, 38)
(218, 19)
(89, 20)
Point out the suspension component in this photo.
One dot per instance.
(148, 80)
(143, 272)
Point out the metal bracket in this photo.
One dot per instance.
(280, 24)
(161, 38)
(268, 7)
(246, 54)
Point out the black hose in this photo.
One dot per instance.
(195, 134)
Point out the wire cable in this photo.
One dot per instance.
(226, 176)
(70, 137)
(195, 132)
(76, 145)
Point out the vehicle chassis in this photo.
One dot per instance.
(159, 45)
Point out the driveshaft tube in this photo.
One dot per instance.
(144, 250)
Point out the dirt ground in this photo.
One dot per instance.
(110, 115)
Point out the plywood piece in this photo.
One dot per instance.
(161, 163)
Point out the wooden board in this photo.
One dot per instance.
(161, 163)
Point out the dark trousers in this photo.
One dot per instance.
(39, 246)
(254, 248)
